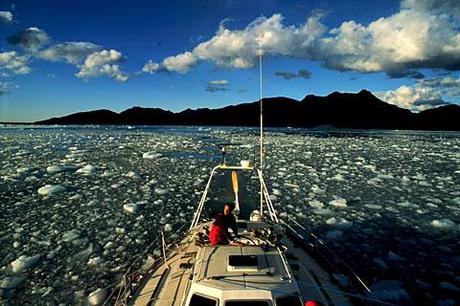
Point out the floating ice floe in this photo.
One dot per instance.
(87, 170)
(24, 263)
(151, 155)
(11, 282)
(60, 168)
(160, 191)
(322, 211)
(71, 235)
(339, 203)
(316, 204)
(443, 223)
(51, 189)
(131, 208)
(373, 206)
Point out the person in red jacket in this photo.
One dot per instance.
(219, 234)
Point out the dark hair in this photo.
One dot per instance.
(231, 205)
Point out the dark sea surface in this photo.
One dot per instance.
(79, 204)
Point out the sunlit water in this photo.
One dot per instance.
(79, 204)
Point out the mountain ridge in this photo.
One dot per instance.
(342, 110)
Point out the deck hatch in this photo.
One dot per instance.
(243, 262)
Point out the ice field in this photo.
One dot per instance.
(79, 204)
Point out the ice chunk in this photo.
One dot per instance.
(98, 296)
(151, 155)
(168, 227)
(160, 191)
(338, 177)
(51, 189)
(322, 211)
(59, 168)
(94, 261)
(339, 203)
(24, 263)
(87, 170)
(373, 206)
(316, 204)
(443, 223)
(131, 208)
(11, 282)
(448, 286)
(393, 256)
(71, 235)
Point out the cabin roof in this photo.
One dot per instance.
(234, 267)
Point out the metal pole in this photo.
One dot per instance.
(261, 131)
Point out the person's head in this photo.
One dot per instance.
(228, 208)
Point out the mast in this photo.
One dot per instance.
(261, 130)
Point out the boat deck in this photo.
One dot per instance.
(207, 266)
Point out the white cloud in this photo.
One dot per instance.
(71, 52)
(449, 7)
(408, 96)
(287, 75)
(240, 48)
(15, 63)
(419, 35)
(217, 85)
(6, 17)
(406, 40)
(218, 82)
(31, 38)
(424, 94)
(180, 63)
(103, 63)
(150, 67)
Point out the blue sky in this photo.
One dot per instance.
(60, 57)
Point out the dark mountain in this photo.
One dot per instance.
(343, 110)
(102, 116)
(146, 116)
(444, 118)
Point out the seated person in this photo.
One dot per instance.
(219, 234)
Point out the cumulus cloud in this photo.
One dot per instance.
(71, 52)
(424, 94)
(410, 97)
(422, 34)
(447, 86)
(150, 67)
(15, 63)
(6, 17)
(180, 63)
(103, 63)
(410, 39)
(449, 7)
(31, 38)
(240, 48)
(303, 73)
(217, 85)
(399, 74)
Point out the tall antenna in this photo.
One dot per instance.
(261, 129)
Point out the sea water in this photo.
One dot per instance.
(79, 205)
